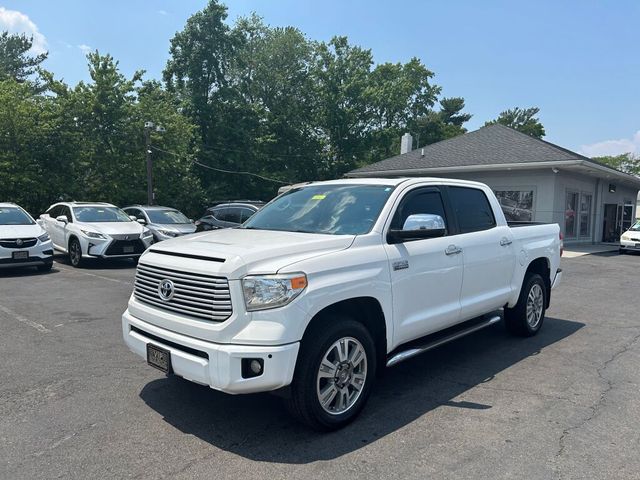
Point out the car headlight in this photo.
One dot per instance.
(270, 291)
(168, 233)
(44, 237)
(626, 238)
(89, 234)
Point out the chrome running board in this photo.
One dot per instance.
(417, 350)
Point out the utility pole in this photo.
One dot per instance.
(147, 148)
(148, 127)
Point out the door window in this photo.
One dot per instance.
(219, 214)
(66, 211)
(570, 215)
(245, 214)
(419, 201)
(54, 211)
(233, 215)
(472, 209)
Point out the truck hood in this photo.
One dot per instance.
(20, 231)
(113, 228)
(237, 252)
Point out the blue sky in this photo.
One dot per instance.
(577, 60)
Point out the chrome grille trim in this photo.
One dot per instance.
(196, 295)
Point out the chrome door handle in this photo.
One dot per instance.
(452, 250)
(505, 241)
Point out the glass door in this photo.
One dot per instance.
(570, 215)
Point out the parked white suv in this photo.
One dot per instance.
(23, 243)
(329, 283)
(85, 230)
(630, 240)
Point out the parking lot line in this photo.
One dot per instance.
(58, 266)
(25, 320)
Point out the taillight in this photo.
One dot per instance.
(561, 244)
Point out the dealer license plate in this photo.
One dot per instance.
(159, 358)
(20, 255)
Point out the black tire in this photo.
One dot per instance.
(303, 402)
(75, 253)
(45, 268)
(516, 319)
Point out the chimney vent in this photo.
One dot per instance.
(406, 143)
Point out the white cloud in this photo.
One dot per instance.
(85, 48)
(14, 21)
(612, 147)
(163, 12)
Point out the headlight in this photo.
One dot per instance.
(270, 291)
(93, 234)
(44, 237)
(626, 238)
(168, 233)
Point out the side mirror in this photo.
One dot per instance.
(141, 221)
(62, 219)
(417, 227)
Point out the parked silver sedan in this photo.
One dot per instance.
(164, 222)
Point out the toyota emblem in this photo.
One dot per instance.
(19, 242)
(166, 289)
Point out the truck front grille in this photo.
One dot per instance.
(193, 294)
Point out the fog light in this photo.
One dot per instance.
(252, 367)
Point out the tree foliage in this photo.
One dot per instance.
(234, 97)
(522, 119)
(626, 162)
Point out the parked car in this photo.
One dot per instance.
(330, 283)
(630, 240)
(23, 243)
(164, 222)
(227, 214)
(84, 230)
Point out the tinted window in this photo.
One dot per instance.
(420, 201)
(472, 209)
(219, 213)
(64, 210)
(245, 214)
(100, 214)
(166, 217)
(233, 215)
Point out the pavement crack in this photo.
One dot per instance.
(596, 407)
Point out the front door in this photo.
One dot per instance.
(426, 275)
(609, 228)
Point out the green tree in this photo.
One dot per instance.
(522, 119)
(626, 162)
(447, 122)
(15, 60)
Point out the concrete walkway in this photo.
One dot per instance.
(573, 251)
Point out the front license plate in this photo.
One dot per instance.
(159, 358)
(20, 255)
(637, 245)
(127, 249)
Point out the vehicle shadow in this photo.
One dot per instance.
(259, 428)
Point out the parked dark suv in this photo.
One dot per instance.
(227, 214)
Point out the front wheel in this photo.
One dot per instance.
(334, 374)
(75, 252)
(526, 318)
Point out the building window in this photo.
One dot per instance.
(570, 216)
(517, 205)
(585, 214)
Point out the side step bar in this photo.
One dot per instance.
(417, 350)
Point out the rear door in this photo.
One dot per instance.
(52, 225)
(426, 274)
(487, 252)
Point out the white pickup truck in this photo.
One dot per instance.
(332, 282)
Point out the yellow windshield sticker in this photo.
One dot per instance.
(318, 197)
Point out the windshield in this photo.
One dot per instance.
(167, 217)
(14, 216)
(100, 214)
(331, 209)
(636, 227)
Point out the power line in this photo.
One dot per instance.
(195, 162)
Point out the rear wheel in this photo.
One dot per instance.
(527, 317)
(334, 374)
(75, 252)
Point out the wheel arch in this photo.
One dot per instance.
(365, 310)
(541, 266)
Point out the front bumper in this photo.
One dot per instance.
(39, 254)
(630, 245)
(114, 248)
(213, 364)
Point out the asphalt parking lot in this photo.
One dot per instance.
(75, 403)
